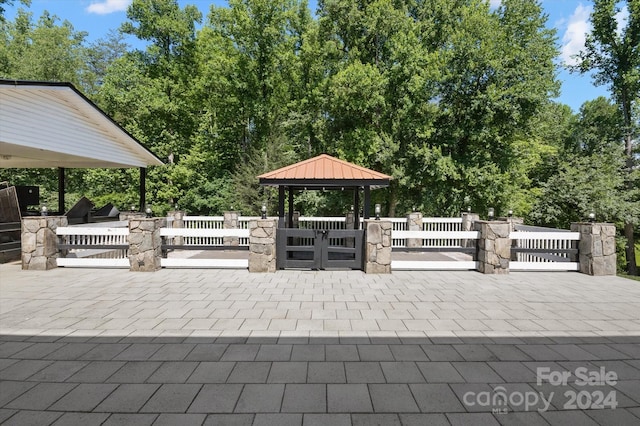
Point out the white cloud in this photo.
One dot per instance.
(575, 36)
(108, 6)
(622, 18)
(494, 4)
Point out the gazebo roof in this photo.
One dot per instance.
(324, 171)
(46, 124)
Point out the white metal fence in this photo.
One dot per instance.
(201, 223)
(106, 244)
(544, 249)
(96, 245)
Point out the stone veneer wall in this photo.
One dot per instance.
(178, 222)
(494, 246)
(230, 222)
(39, 242)
(414, 223)
(262, 245)
(131, 215)
(145, 243)
(597, 247)
(377, 246)
(468, 219)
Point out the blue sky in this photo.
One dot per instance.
(569, 17)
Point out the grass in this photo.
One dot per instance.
(630, 277)
(633, 277)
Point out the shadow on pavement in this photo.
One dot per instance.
(319, 381)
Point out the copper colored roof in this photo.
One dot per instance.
(324, 169)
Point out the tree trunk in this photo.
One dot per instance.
(630, 251)
(393, 200)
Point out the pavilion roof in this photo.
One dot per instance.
(324, 171)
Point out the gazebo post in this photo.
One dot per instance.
(290, 218)
(367, 201)
(356, 207)
(280, 206)
(61, 190)
(143, 188)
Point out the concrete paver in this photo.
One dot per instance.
(305, 348)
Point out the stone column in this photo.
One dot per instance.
(349, 220)
(145, 243)
(349, 224)
(414, 223)
(131, 215)
(513, 221)
(467, 225)
(177, 222)
(39, 242)
(597, 247)
(262, 245)
(377, 247)
(494, 246)
(231, 222)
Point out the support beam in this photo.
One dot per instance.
(143, 188)
(290, 219)
(61, 191)
(367, 202)
(280, 206)
(356, 207)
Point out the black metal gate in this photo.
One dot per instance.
(319, 248)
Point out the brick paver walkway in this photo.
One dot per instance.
(183, 347)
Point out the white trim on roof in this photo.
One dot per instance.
(53, 125)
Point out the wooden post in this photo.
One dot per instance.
(367, 202)
(143, 188)
(290, 221)
(280, 206)
(61, 190)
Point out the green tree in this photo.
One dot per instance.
(612, 54)
(10, 3)
(599, 127)
(583, 184)
(43, 50)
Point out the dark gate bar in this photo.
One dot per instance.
(61, 190)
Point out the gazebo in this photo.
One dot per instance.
(53, 125)
(321, 248)
(323, 172)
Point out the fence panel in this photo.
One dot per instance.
(203, 222)
(200, 235)
(442, 224)
(94, 245)
(462, 243)
(538, 249)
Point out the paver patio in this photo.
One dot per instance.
(85, 346)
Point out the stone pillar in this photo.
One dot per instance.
(131, 215)
(262, 245)
(597, 247)
(295, 222)
(349, 224)
(467, 225)
(177, 222)
(231, 222)
(513, 221)
(145, 243)
(494, 246)
(414, 223)
(377, 247)
(39, 242)
(349, 220)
